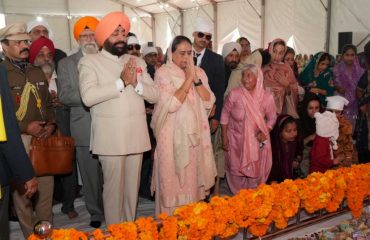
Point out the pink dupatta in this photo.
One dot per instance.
(253, 163)
(279, 88)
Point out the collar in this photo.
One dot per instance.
(111, 56)
(10, 66)
(201, 52)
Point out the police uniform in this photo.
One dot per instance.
(37, 107)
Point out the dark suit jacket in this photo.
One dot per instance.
(14, 162)
(213, 64)
(58, 55)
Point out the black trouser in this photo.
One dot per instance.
(147, 165)
(4, 216)
(65, 187)
(364, 157)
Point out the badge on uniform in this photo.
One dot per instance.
(18, 99)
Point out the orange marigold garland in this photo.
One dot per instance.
(66, 234)
(225, 222)
(147, 229)
(241, 205)
(339, 188)
(195, 221)
(168, 231)
(98, 234)
(253, 209)
(263, 200)
(125, 230)
(358, 188)
(286, 203)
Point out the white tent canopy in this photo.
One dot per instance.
(305, 24)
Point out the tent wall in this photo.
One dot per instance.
(237, 18)
(304, 21)
(167, 26)
(350, 16)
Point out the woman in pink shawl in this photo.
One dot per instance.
(247, 118)
(279, 79)
(184, 167)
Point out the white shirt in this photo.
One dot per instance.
(200, 57)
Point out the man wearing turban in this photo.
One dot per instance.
(37, 29)
(80, 118)
(42, 52)
(114, 85)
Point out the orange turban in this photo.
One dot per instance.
(82, 24)
(109, 23)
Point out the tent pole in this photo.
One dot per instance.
(182, 22)
(215, 25)
(153, 30)
(69, 25)
(262, 17)
(328, 26)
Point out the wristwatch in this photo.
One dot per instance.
(198, 83)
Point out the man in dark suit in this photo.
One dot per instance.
(212, 63)
(14, 162)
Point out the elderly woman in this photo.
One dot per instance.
(248, 115)
(184, 166)
(280, 80)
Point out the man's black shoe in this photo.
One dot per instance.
(95, 224)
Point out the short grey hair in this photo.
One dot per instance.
(251, 67)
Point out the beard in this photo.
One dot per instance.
(114, 50)
(48, 69)
(90, 48)
(233, 65)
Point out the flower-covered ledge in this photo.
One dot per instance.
(256, 210)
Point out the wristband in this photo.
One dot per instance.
(198, 83)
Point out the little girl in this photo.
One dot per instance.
(286, 149)
(327, 131)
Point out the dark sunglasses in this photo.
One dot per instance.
(131, 47)
(208, 36)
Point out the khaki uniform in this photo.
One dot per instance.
(42, 201)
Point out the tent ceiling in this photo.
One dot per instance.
(157, 6)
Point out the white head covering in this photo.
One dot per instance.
(336, 102)
(147, 50)
(132, 40)
(35, 23)
(327, 125)
(229, 47)
(203, 25)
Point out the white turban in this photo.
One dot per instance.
(229, 47)
(336, 103)
(147, 50)
(203, 25)
(35, 23)
(132, 40)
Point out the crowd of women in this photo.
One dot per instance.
(280, 122)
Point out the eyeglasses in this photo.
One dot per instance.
(208, 36)
(87, 36)
(19, 42)
(132, 46)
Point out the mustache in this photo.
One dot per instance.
(120, 42)
(24, 50)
